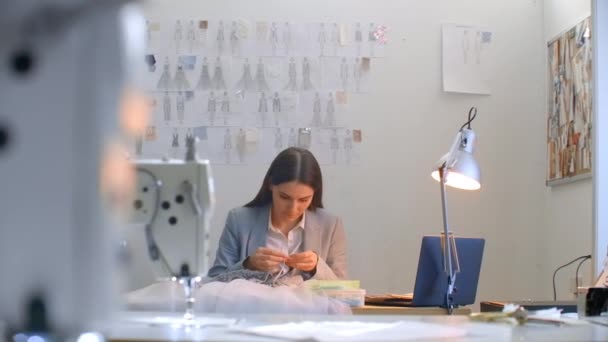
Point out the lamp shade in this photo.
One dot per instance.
(461, 169)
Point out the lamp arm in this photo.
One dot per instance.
(447, 243)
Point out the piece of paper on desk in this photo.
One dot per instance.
(516, 314)
(177, 320)
(354, 331)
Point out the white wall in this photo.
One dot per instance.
(389, 201)
(568, 230)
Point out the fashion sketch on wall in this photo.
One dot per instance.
(243, 89)
(569, 115)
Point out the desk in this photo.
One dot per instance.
(142, 326)
(401, 310)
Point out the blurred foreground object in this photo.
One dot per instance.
(67, 68)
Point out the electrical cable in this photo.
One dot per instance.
(559, 268)
(472, 115)
(577, 268)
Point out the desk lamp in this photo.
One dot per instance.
(457, 169)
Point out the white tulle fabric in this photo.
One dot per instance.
(235, 297)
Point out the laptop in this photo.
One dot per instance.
(431, 280)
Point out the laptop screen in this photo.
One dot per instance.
(432, 281)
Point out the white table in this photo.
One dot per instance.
(139, 326)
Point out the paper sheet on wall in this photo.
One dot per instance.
(348, 74)
(466, 59)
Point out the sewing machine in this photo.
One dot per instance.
(170, 212)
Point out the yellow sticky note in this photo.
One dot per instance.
(251, 135)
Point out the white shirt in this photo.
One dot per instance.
(290, 244)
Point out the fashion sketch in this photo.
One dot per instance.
(276, 107)
(211, 108)
(357, 74)
(164, 82)
(292, 140)
(278, 140)
(227, 145)
(260, 77)
(241, 141)
(371, 38)
(139, 140)
(291, 73)
(218, 75)
(225, 107)
(465, 46)
(246, 82)
(148, 32)
(330, 118)
(316, 111)
(287, 38)
(201, 33)
(234, 39)
(167, 107)
(204, 80)
(306, 82)
(190, 144)
(348, 146)
(191, 36)
(358, 38)
(322, 39)
(335, 38)
(179, 105)
(334, 145)
(343, 74)
(219, 37)
(263, 108)
(174, 151)
(180, 81)
(178, 35)
(274, 38)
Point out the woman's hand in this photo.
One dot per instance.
(305, 261)
(265, 259)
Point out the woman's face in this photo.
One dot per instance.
(291, 199)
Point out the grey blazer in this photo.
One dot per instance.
(247, 228)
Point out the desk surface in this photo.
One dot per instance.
(138, 326)
(400, 310)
